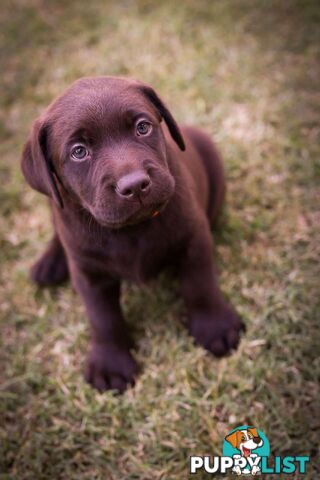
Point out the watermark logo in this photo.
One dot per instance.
(246, 451)
(246, 445)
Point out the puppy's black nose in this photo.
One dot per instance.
(257, 440)
(133, 184)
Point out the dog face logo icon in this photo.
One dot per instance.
(246, 445)
(245, 440)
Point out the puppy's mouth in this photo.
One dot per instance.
(246, 452)
(133, 219)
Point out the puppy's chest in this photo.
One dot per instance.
(136, 257)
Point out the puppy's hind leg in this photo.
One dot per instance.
(52, 267)
(213, 164)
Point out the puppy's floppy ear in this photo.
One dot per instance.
(254, 431)
(165, 114)
(233, 438)
(36, 164)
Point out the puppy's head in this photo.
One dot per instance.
(101, 145)
(245, 440)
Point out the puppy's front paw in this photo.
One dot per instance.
(237, 470)
(219, 332)
(110, 367)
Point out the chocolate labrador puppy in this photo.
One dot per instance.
(129, 195)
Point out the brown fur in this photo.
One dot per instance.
(235, 438)
(109, 225)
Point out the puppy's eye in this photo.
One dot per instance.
(79, 152)
(143, 128)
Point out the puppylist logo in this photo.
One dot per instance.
(246, 451)
(246, 445)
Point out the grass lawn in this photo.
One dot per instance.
(248, 72)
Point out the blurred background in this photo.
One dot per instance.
(248, 72)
